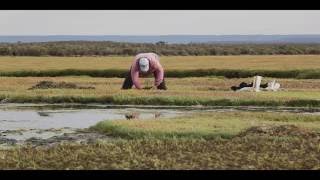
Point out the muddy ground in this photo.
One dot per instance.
(82, 136)
(59, 85)
(86, 136)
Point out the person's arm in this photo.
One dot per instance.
(159, 73)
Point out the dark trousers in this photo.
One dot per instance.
(127, 84)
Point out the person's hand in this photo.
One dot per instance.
(153, 88)
(148, 87)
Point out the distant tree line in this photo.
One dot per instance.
(107, 48)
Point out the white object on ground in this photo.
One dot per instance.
(256, 83)
(273, 86)
(276, 86)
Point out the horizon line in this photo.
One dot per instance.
(166, 35)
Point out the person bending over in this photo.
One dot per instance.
(143, 65)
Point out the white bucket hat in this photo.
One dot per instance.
(144, 64)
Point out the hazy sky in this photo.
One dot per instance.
(147, 22)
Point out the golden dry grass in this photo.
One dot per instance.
(202, 88)
(268, 62)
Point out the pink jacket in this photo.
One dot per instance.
(155, 68)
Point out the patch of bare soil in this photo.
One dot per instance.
(59, 85)
(282, 130)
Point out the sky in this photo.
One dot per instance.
(158, 22)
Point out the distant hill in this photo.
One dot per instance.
(178, 39)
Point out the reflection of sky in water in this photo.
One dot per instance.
(17, 117)
(32, 119)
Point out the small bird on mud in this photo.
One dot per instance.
(43, 114)
(133, 115)
(157, 115)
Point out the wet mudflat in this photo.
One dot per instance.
(43, 124)
(40, 124)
